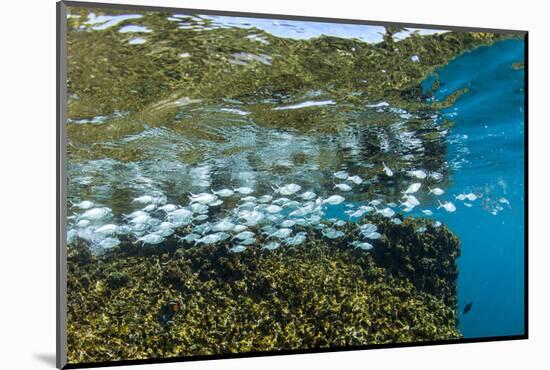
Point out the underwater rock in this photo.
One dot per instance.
(322, 293)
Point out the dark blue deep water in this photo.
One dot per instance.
(486, 154)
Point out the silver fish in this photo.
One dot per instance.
(151, 239)
(387, 170)
(85, 204)
(109, 243)
(244, 235)
(271, 245)
(343, 187)
(224, 193)
(447, 206)
(334, 200)
(237, 249)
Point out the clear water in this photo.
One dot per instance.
(486, 154)
(267, 141)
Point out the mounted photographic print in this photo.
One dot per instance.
(237, 184)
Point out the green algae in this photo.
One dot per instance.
(151, 83)
(322, 294)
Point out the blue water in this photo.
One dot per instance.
(486, 154)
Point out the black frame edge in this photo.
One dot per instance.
(61, 255)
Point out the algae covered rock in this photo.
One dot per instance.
(318, 295)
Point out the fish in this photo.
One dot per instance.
(368, 228)
(108, 229)
(281, 201)
(437, 191)
(342, 175)
(165, 232)
(248, 241)
(288, 189)
(387, 170)
(136, 214)
(244, 235)
(140, 227)
(300, 212)
(200, 218)
(332, 234)
(252, 218)
(168, 208)
(83, 223)
(108, 243)
(85, 204)
(180, 216)
(471, 196)
(436, 176)
(467, 308)
(355, 213)
(244, 190)
(271, 245)
(362, 245)
(308, 195)
(239, 228)
(281, 233)
(223, 225)
(343, 187)
(265, 198)
(203, 198)
(274, 208)
(223, 235)
(447, 206)
(189, 238)
(145, 199)
(149, 208)
(216, 203)
(372, 235)
(95, 214)
(288, 223)
(151, 239)
(427, 212)
(413, 188)
(419, 174)
(387, 212)
(208, 239)
(224, 193)
(334, 200)
(410, 201)
(198, 208)
(141, 219)
(237, 249)
(292, 204)
(296, 240)
(355, 179)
